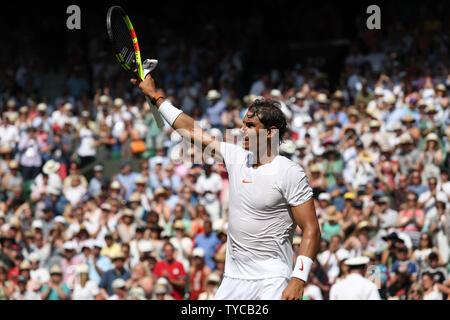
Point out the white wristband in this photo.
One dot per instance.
(302, 268)
(169, 112)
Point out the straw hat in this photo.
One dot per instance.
(5, 149)
(365, 156)
(408, 118)
(432, 137)
(55, 270)
(322, 98)
(178, 224)
(332, 213)
(160, 191)
(51, 166)
(213, 95)
(13, 164)
(135, 197)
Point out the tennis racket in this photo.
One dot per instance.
(126, 49)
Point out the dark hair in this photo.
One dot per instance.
(433, 256)
(270, 114)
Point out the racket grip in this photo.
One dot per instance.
(156, 114)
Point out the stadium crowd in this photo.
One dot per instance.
(375, 151)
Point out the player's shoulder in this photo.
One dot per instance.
(288, 165)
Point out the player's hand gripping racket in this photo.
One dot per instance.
(126, 48)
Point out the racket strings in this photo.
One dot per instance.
(122, 39)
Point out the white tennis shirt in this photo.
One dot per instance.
(260, 221)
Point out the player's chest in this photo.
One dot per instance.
(255, 189)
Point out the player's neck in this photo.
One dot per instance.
(266, 157)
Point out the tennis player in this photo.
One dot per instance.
(269, 196)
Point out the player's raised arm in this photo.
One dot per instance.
(184, 124)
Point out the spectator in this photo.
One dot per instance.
(117, 272)
(212, 283)
(411, 219)
(84, 289)
(209, 242)
(415, 292)
(172, 270)
(56, 289)
(199, 274)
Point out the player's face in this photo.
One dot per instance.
(251, 132)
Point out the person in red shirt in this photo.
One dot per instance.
(198, 272)
(172, 270)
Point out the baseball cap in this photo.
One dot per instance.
(69, 245)
(115, 184)
(37, 224)
(60, 219)
(213, 277)
(325, 196)
(98, 168)
(118, 283)
(383, 199)
(145, 246)
(33, 257)
(105, 206)
(198, 252)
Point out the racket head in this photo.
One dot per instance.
(124, 41)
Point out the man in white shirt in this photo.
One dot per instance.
(355, 286)
(269, 196)
(208, 186)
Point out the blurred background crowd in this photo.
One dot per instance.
(96, 202)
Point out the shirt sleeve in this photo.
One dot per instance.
(295, 186)
(373, 293)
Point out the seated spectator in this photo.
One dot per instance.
(117, 272)
(212, 284)
(198, 274)
(84, 288)
(209, 242)
(415, 292)
(141, 278)
(432, 291)
(435, 268)
(56, 289)
(411, 219)
(172, 270)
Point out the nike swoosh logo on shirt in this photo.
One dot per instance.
(243, 181)
(301, 268)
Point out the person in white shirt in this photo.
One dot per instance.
(208, 186)
(84, 289)
(355, 286)
(269, 196)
